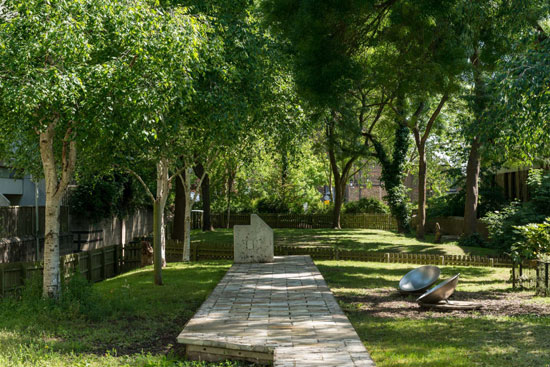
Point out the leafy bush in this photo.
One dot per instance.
(502, 224)
(102, 197)
(270, 205)
(490, 199)
(535, 241)
(366, 205)
(449, 205)
(473, 240)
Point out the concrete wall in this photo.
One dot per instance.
(253, 243)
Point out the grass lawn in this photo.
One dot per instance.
(512, 330)
(353, 239)
(123, 321)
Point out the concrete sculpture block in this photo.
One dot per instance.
(253, 243)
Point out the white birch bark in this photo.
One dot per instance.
(163, 189)
(55, 190)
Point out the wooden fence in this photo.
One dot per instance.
(366, 221)
(95, 265)
(532, 275)
(20, 221)
(212, 251)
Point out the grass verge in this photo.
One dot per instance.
(353, 239)
(123, 321)
(513, 329)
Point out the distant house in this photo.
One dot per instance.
(367, 183)
(513, 181)
(19, 190)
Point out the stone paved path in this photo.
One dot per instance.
(285, 308)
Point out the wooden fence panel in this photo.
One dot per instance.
(95, 265)
(310, 221)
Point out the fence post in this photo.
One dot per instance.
(117, 247)
(2, 280)
(336, 254)
(513, 276)
(89, 265)
(387, 257)
(442, 259)
(194, 251)
(492, 262)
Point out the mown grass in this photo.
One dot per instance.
(123, 321)
(353, 239)
(449, 341)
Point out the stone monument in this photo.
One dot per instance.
(253, 243)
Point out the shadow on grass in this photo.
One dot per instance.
(518, 341)
(371, 275)
(135, 316)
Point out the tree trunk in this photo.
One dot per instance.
(336, 213)
(472, 188)
(51, 248)
(55, 190)
(474, 159)
(188, 205)
(206, 205)
(421, 225)
(157, 251)
(162, 195)
(229, 189)
(178, 228)
(205, 195)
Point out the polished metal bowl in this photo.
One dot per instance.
(419, 279)
(440, 292)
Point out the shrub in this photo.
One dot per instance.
(449, 205)
(503, 224)
(535, 243)
(473, 240)
(270, 205)
(366, 205)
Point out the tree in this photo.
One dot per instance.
(162, 90)
(492, 28)
(58, 60)
(521, 101)
(381, 53)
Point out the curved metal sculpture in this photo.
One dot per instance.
(419, 279)
(440, 292)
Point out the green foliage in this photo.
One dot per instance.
(534, 242)
(502, 224)
(78, 300)
(270, 205)
(449, 205)
(473, 240)
(366, 205)
(100, 197)
(490, 199)
(393, 174)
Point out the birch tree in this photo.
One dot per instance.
(60, 64)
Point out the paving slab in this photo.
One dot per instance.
(280, 313)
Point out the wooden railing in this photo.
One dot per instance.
(367, 221)
(213, 251)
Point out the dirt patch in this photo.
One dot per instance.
(387, 302)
